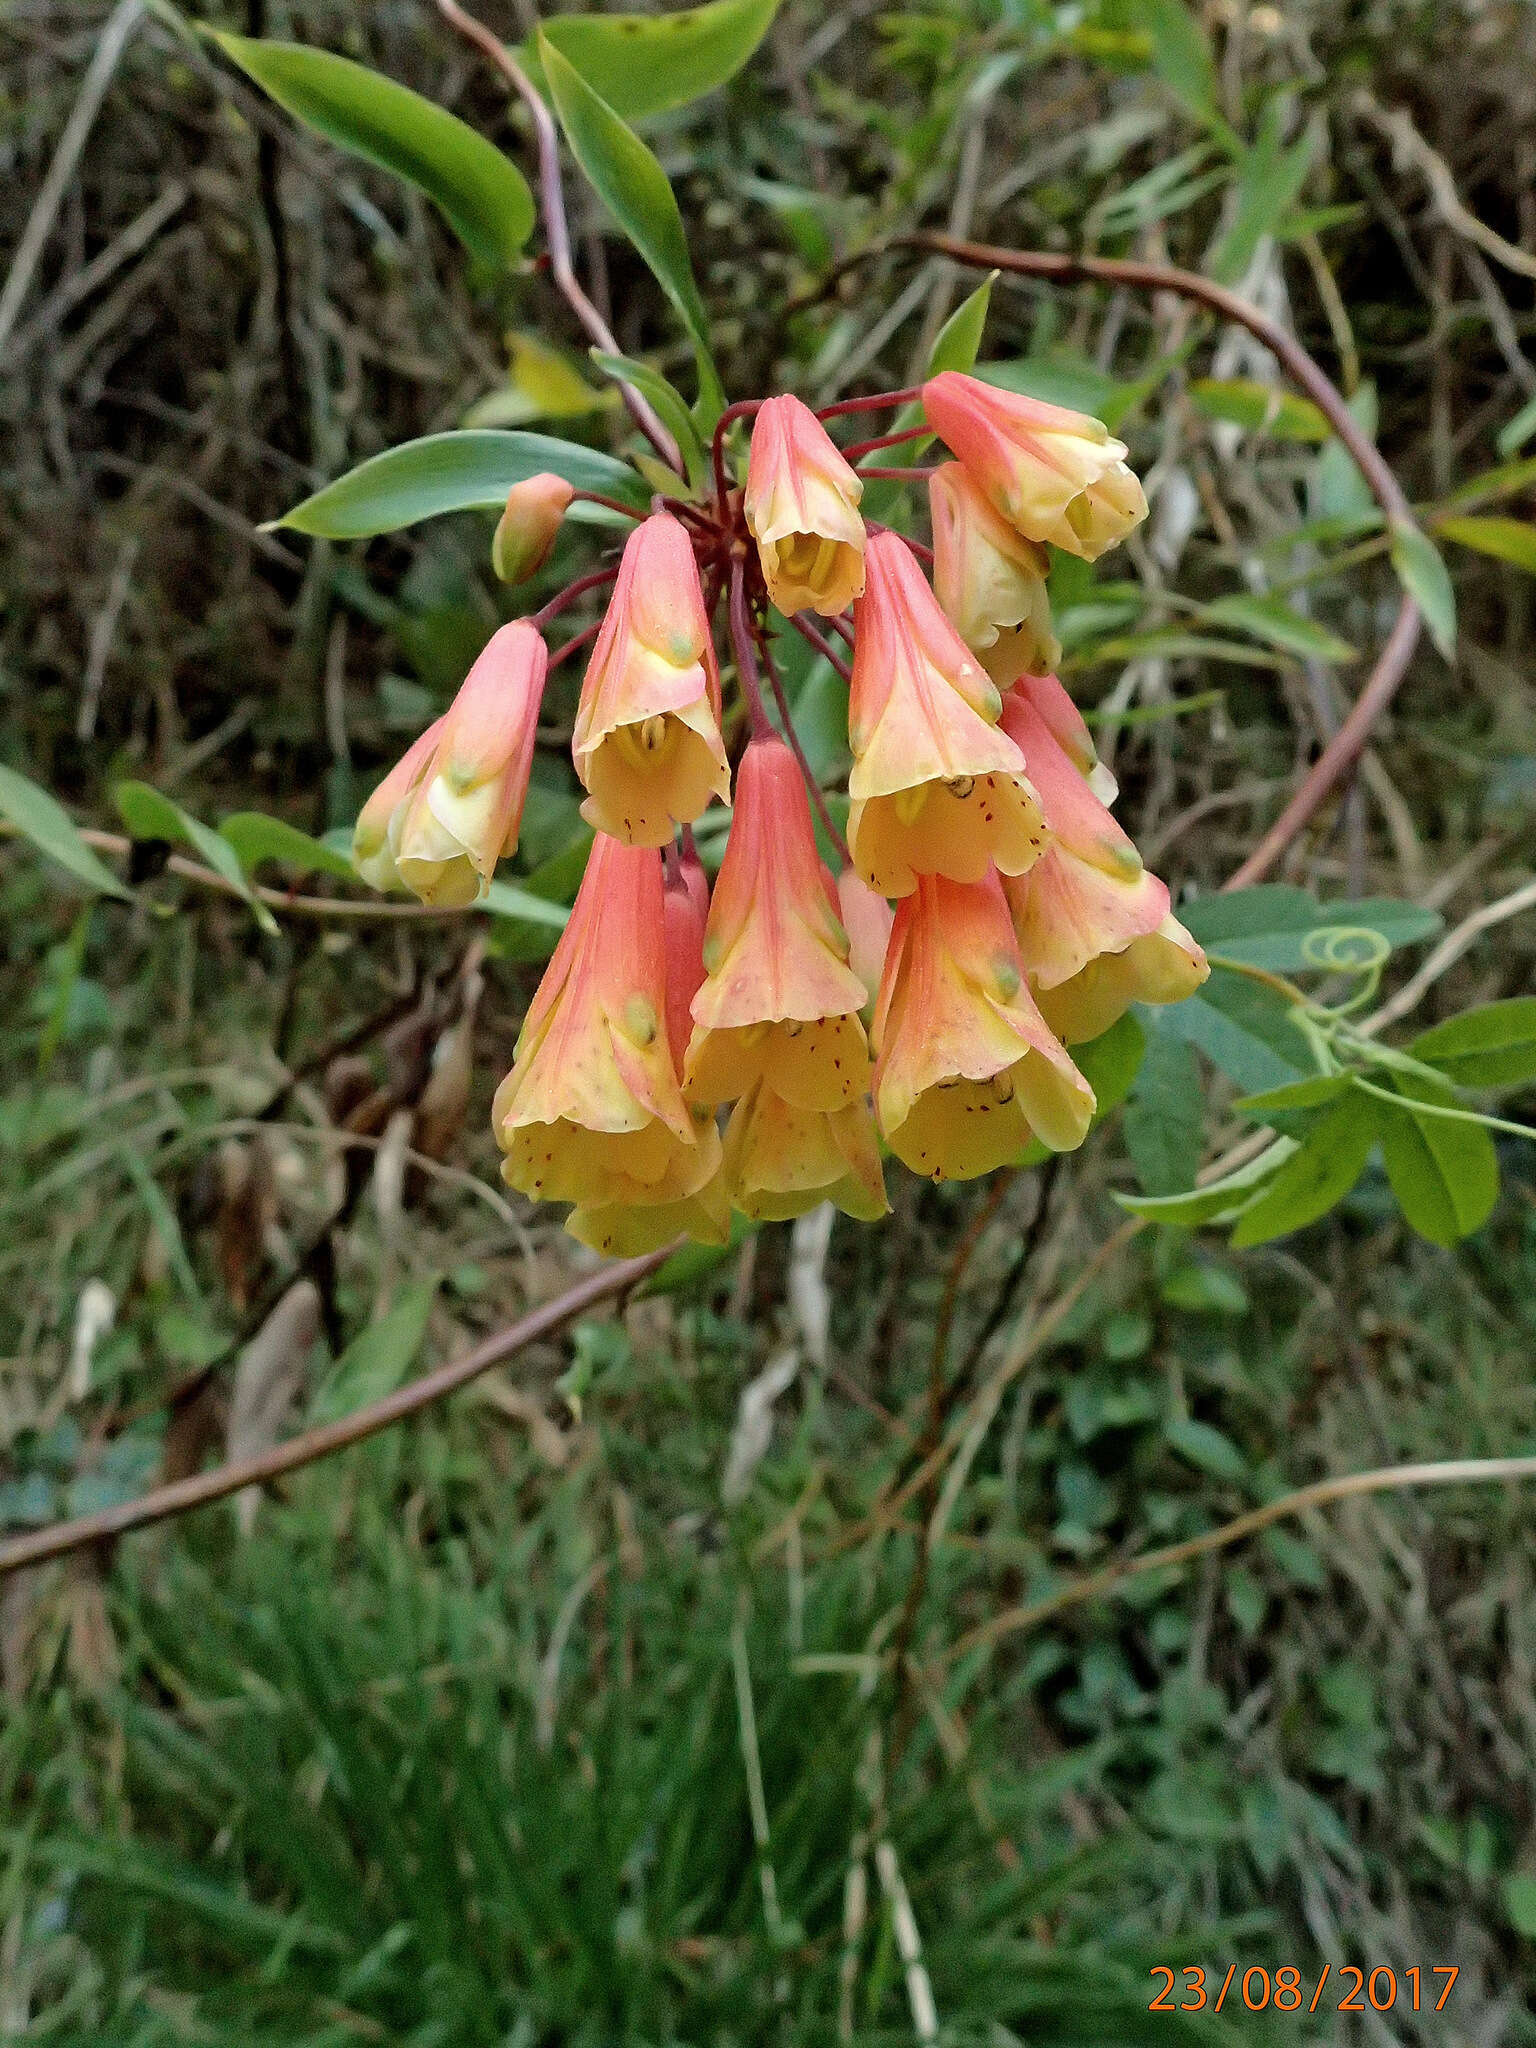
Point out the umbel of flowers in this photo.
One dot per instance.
(690, 1051)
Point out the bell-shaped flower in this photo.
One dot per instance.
(781, 1161)
(936, 788)
(444, 816)
(1051, 703)
(989, 580)
(592, 1111)
(802, 508)
(967, 1070)
(527, 528)
(647, 740)
(779, 1001)
(1089, 901)
(867, 921)
(1055, 475)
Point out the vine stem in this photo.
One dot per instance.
(746, 657)
(39, 1545)
(556, 228)
(858, 448)
(901, 476)
(576, 642)
(813, 787)
(569, 595)
(1348, 743)
(822, 644)
(744, 408)
(877, 401)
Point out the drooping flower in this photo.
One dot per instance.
(936, 788)
(527, 529)
(1055, 475)
(967, 1070)
(867, 921)
(1051, 703)
(1095, 928)
(592, 1111)
(647, 740)
(781, 1161)
(444, 816)
(989, 580)
(779, 1000)
(801, 504)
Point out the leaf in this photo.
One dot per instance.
(1165, 1122)
(1318, 1176)
(256, 837)
(1273, 621)
(1206, 1447)
(1260, 408)
(149, 814)
(695, 1262)
(649, 63)
(482, 194)
(375, 1363)
(1444, 1172)
(507, 899)
(670, 406)
(42, 819)
(1244, 1028)
(1514, 434)
(1519, 1896)
(1423, 575)
(958, 342)
(1220, 1200)
(1182, 58)
(1309, 1094)
(1269, 180)
(1205, 1290)
(1111, 1062)
(1507, 540)
(470, 470)
(1492, 1046)
(627, 177)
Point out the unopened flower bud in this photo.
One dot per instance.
(526, 530)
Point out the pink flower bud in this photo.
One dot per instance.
(989, 580)
(526, 530)
(801, 504)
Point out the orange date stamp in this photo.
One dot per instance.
(1341, 1989)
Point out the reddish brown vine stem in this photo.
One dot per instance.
(1348, 743)
(39, 1545)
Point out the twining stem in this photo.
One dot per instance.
(746, 657)
(744, 408)
(569, 595)
(813, 786)
(613, 504)
(1348, 743)
(822, 644)
(858, 448)
(575, 644)
(161, 1501)
(556, 229)
(877, 401)
(901, 476)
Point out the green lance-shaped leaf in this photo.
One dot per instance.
(670, 406)
(633, 186)
(1273, 621)
(1164, 1121)
(1493, 1046)
(1507, 540)
(958, 342)
(1183, 59)
(1269, 179)
(470, 470)
(1423, 574)
(1309, 1094)
(375, 1362)
(644, 64)
(1330, 1159)
(1443, 1170)
(149, 814)
(255, 837)
(43, 819)
(483, 195)
(1260, 408)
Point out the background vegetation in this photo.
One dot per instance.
(514, 1727)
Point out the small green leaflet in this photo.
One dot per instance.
(256, 837)
(1260, 408)
(1443, 1170)
(1330, 1159)
(1273, 621)
(958, 342)
(1309, 1094)
(1493, 1046)
(1242, 1027)
(375, 1362)
(633, 186)
(1507, 540)
(43, 819)
(1207, 1447)
(470, 470)
(1181, 55)
(645, 64)
(1269, 180)
(1285, 930)
(1423, 575)
(483, 195)
(1514, 434)
(1219, 1200)
(150, 815)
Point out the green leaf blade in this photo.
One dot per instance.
(376, 1361)
(1493, 1046)
(40, 818)
(467, 470)
(1506, 540)
(1317, 1176)
(255, 837)
(644, 64)
(482, 194)
(1422, 573)
(1444, 1171)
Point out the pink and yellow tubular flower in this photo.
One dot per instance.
(592, 1111)
(989, 580)
(528, 527)
(647, 740)
(1054, 475)
(867, 921)
(611, 1227)
(781, 1161)
(936, 788)
(440, 821)
(802, 509)
(1095, 928)
(967, 1070)
(1051, 703)
(779, 1001)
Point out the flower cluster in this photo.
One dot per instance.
(690, 1050)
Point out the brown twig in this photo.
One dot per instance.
(202, 1487)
